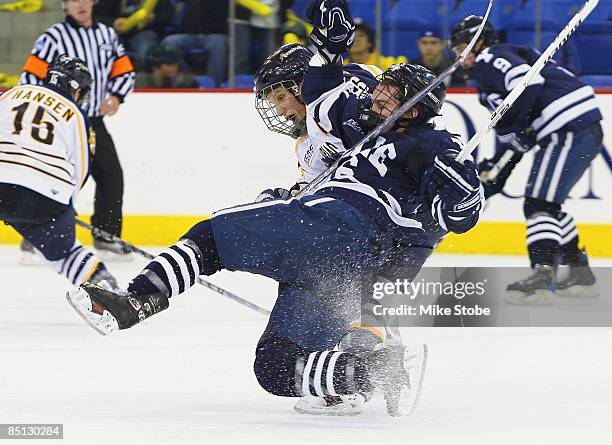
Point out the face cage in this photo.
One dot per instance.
(371, 119)
(274, 121)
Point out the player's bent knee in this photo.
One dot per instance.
(533, 206)
(275, 362)
(202, 235)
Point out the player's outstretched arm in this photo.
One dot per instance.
(333, 29)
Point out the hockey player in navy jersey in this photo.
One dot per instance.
(558, 117)
(401, 186)
(404, 186)
(44, 161)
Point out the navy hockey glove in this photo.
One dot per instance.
(333, 28)
(270, 194)
(456, 193)
(502, 169)
(329, 153)
(521, 141)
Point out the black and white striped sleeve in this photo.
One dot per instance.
(122, 77)
(44, 50)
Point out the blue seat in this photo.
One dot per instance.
(598, 81)
(500, 15)
(205, 81)
(593, 53)
(241, 81)
(365, 9)
(555, 14)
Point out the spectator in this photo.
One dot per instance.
(139, 23)
(436, 58)
(204, 27)
(364, 49)
(266, 27)
(163, 63)
(80, 35)
(295, 30)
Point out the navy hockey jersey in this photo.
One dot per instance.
(384, 180)
(331, 94)
(554, 99)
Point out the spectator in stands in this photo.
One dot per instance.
(436, 58)
(295, 30)
(364, 49)
(140, 24)
(204, 28)
(265, 27)
(163, 63)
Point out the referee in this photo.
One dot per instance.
(80, 35)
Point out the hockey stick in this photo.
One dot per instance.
(400, 111)
(96, 231)
(522, 85)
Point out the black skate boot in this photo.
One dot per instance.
(535, 290)
(579, 281)
(107, 311)
(394, 369)
(103, 278)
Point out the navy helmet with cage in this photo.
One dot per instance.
(283, 70)
(408, 80)
(70, 75)
(465, 30)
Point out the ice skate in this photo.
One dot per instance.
(103, 278)
(356, 341)
(399, 372)
(107, 311)
(579, 280)
(535, 290)
(111, 251)
(349, 405)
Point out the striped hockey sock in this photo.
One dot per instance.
(78, 265)
(333, 373)
(171, 272)
(543, 239)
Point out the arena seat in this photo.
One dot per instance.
(205, 81)
(598, 81)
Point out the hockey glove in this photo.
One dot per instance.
(501, 165)
(521, 141)
(456, 193)
(334, 31)
(329, 153)
(270, 194)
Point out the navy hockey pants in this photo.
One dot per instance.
(318, 249)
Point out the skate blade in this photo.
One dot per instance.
(81, 302)
(578, 291)
(416, 365)
(327, 411)
(542, 297)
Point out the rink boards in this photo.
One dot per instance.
(187, 154)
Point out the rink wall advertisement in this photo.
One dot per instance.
(186, 154)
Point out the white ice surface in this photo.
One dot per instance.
(186, 375)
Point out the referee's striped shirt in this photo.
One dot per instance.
(98, 46)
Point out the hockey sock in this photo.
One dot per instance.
(543, 231)
(78, 265)
(334, 373)
(177, 268)
(570, 252)
(171, 272)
